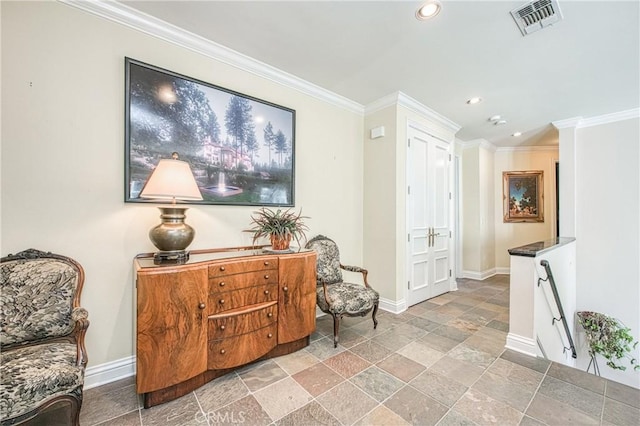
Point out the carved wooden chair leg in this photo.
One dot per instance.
(336, 327)
(373, 316)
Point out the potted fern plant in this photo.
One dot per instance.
(610, 338)
(279, 226)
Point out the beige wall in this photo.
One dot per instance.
(510, 235)
(470, 205)
(487, 216)
(607, 186)
(63, 157)
(478, 251)
(379, 199)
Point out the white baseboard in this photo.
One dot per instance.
(395, 307)
(521, 344)
(482, 275)
(109, 372)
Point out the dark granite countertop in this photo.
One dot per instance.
(534, 249)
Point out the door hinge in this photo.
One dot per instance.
(449, 272)
(409, 285)
(449, 195)
(449, 157)
(409, 190)
(450, 236)
(408, 238)
(409, 142)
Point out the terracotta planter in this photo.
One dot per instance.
(279, 242)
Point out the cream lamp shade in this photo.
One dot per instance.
(172, 180)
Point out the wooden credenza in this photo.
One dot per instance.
(219, 311)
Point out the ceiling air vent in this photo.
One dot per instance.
(536, 15)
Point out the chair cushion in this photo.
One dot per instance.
(32, 375)
(328, 260)
(347, 298)
(36, 299)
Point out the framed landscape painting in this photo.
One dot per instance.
(240, 149)
(523, 196)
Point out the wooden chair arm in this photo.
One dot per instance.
(79, 316)
(363, 271)
(326, 295)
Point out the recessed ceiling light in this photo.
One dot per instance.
(428, 10)
(473, 101)
(495, 118)
(500, 122)
(516, 134)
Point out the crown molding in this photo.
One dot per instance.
(134, 19)
(579, 122)
(565, 124)
(610, 118)
(413, 105)
(533, 148)
(478, 143)
(419, 108)
(382, 103)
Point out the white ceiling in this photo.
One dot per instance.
(587, 65)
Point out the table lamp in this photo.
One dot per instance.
(172, 180)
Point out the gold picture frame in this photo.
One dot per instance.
(523, 197)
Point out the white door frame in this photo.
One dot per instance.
(453, 213)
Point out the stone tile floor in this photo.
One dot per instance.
(440, 362)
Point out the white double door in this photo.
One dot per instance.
(428, 218)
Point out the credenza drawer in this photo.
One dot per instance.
(244, 321)
(239, 350)
(240, 266)
(225, 301)
(238, 281)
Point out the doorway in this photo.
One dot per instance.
(428, 218)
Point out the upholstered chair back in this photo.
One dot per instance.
(328, 260)
(36, 300)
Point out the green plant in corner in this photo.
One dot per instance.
(610, 338)
(280, 226)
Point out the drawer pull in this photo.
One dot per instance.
(221, 301)
(285, 288)
(266, 277)
(202, 305)
(222, 284)
(270, 314)
(222, 327)
(222, 268)
(266, 263)
(222, 351)
(269, 335)
(266, 292)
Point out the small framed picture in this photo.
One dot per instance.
(523, 196)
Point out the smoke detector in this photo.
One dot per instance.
(536, 15)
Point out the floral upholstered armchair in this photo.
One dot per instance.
(333, 295)
(43, 357)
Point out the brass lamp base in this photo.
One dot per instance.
(172, 236)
